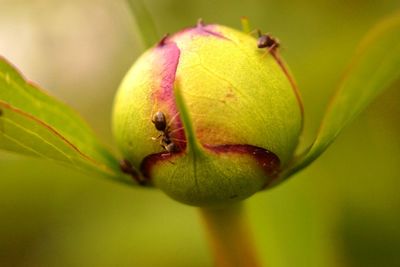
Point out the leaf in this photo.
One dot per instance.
(35, 124)
(144, 22)
(374, 67)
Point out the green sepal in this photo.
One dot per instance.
(374, 67)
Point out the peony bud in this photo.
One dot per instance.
(244, 116)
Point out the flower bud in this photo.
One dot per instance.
(243, 116)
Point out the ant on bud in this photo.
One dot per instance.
(160, 122)
(267, 41)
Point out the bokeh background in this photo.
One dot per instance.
(344, 210)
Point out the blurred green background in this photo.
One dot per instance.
(344, 210)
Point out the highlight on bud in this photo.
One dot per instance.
(208, 116)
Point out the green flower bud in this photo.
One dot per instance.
(243, 115)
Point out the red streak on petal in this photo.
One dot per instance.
(167, 59)
(151, 160)
(266, 160)
(165, 64)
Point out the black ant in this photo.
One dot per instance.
(166, 142)
(267, 41)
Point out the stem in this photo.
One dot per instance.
(230, 237)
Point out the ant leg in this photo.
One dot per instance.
(172, 119)
(167, 154)
(178, 140)
(269, 50)
(152, 110)
(175, 130)
(162, 145)
(156, 138)
(255, 31)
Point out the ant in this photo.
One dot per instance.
(160, 122)
(267, 41)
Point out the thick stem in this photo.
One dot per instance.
(230, 237)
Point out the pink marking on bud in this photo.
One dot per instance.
(167, 59)
(151, 160)
(265, 159)
(165, 64)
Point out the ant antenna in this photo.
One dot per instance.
(172, 119)
(179, 140)
(175, 130)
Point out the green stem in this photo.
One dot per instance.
(230, 237)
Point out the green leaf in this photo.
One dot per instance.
(35, 124)
(144, 22)
(374, 67)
